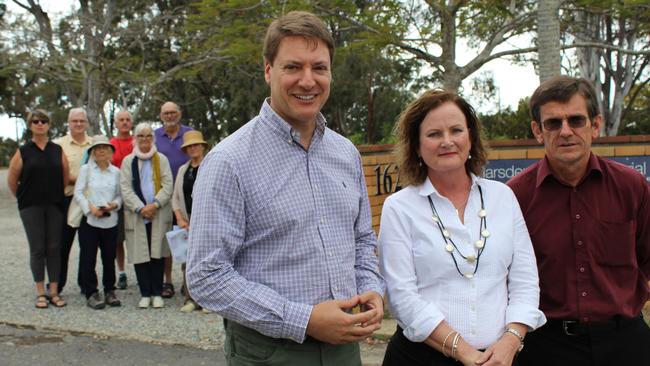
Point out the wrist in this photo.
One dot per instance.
(515, 338)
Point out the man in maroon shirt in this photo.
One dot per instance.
(589, 221)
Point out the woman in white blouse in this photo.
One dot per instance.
(454, 248)
(97, 191)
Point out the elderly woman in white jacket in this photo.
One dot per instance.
(97, 192)
(146, 183)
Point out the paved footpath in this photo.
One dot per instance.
(102, 332)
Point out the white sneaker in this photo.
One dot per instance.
(144, 302)
(158, 302)
(188, 307)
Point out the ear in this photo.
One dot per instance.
(537, 131)
(596, 124)
(267, 71)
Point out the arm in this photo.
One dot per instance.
(130, 200)
(15, 167)
(370, 283)
(176, 198)
(522, 312)
(116, 202)
(79, 194)
(67, 177)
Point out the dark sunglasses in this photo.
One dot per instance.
(41, 121)
(553, 124)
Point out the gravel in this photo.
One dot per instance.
(158, 326)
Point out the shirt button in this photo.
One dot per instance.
(584, 293)
(582, 269)
(471, 307)
(585, 319)
(577, 216)
(322, 220)
(579, 243)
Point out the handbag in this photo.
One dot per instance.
(74, 210)
(74, 214)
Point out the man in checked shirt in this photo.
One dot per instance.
(281, 243)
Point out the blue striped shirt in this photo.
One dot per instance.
(277, 229)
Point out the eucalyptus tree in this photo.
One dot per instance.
(613, 49)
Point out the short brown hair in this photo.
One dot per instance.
(40, 113)
(300, 24)
(407, 131)
(561, 89)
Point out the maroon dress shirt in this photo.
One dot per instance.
(592, 242)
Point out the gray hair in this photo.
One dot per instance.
(143, 126)
(77, 110)
(122, 111)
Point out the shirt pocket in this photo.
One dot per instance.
(616, 245)
(351, 195)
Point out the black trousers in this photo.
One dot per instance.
(90, 239)
(42, 225)
(150, 274)
(402, 352)
(67, 238)
(617, 342)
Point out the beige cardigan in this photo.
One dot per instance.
(134, 227)
(178, 198)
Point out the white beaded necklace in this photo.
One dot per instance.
(450, 246)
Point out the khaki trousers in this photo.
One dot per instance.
(247, 347)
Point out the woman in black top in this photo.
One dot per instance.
(194, 146)
(37, 174)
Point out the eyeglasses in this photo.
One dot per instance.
(169, 113)
(143, 137)
(41, 121)
(553, 124)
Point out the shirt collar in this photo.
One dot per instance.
(544, 171)
(279, 126)
(86, 141)
(427, 189)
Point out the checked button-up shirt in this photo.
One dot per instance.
(277, 229)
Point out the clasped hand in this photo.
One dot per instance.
(331, 323)
(149, 211)
(100, 211)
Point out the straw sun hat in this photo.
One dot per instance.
(193, 138)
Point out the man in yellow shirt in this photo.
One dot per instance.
(73, 144)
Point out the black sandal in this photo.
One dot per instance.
(57, 301)
(42, 302)
(167, 290)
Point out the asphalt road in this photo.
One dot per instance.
(28, 346)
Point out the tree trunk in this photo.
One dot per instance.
(548, 39)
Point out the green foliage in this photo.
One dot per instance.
(508, 124)
(7, 149)
(636, 121)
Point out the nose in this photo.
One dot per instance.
(446, 140)
(307, 79)
(565, 130)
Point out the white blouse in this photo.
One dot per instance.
(424, 286)
(99, 188)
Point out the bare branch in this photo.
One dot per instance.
(607, 47)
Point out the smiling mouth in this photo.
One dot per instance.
(306, 98)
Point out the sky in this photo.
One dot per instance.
(513, 81)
